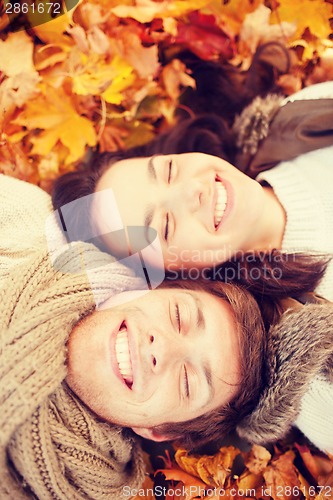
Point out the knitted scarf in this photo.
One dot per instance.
(51, 445)
(299, 347)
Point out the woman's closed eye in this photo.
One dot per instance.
(170, 171)
(177, 318)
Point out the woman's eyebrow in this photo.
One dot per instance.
(151, 169)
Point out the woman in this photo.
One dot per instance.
(271, 233)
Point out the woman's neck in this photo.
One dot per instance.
(272, 223)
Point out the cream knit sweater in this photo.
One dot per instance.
(304, 187)
(24, 209)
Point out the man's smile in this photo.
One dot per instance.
(123, 356)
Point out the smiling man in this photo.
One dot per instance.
(169, 364)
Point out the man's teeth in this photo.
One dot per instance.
(123, 356)
(221, 202)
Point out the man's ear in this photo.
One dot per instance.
(150, 433)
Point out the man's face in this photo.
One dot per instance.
(169, 355)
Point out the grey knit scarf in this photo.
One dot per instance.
(299, 347)
(51, 445)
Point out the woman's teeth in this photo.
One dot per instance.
(123, 357)
(221, 203)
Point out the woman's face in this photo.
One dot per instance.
(169, 355)
(202, 208)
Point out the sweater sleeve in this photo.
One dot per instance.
(24, 209)
(315, 419)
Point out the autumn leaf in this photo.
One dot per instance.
(146, 10)
(281, 473)
(257, 459)
(256, 29)
(175, 77)
(312, 14)
(205, 38)
(16, 54)
(16, 90)
(54, 113)
(213, 470)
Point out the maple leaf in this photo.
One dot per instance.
(281, 473)
(16, 54)
(54, 113)
(312, 14)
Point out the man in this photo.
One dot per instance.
(164, 364)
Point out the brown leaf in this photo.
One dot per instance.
(257, 459)
(280, 474)
(212, 469)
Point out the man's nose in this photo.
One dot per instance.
(163, 349)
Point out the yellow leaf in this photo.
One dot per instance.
(123, 77)
(146, 10)
(52, 29)
(312, 14)
(59, 121)
(16, 54)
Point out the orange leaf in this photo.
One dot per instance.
(257, 459)
(280, 475)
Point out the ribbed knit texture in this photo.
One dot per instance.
(24, 209)
(304, 188)
(59, 448)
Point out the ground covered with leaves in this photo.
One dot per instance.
(106, 75)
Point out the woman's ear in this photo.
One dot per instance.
(150, 433)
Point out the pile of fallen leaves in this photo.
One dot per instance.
(106, 74)
(289, 472)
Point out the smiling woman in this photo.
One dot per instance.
(273, 232)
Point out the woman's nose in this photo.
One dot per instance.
(186, 195)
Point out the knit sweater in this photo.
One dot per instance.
(304, 187)
(51, 445)
(23, 211)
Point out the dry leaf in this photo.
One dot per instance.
(280, 474)
(16, 90)
(146, 10)
(312, 14)
(213, 470)
(256, 29)
(59, 121)
(175, 77)
(16, 54)
(257, 459)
